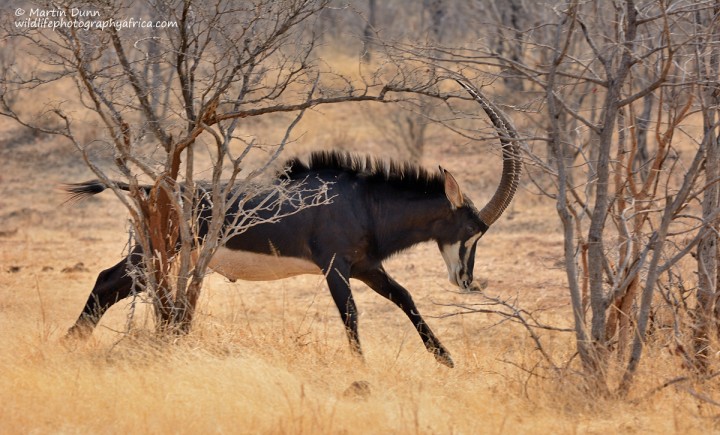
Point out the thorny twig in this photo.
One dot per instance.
(509, 312)
(680, 380)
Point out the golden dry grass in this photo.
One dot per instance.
(265, 361)
(272, 357)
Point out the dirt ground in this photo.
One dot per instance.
(271, 357)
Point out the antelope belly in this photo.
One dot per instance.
(250, 266)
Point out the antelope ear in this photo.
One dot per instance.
(452, 190)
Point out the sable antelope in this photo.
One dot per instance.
(377, 210)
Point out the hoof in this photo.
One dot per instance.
(358, 390)
(79, 332)
(443, 357)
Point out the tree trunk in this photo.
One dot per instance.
(707, 311)
(370, 27)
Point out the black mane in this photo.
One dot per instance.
(401, 175)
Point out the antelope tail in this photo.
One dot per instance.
(80, 191)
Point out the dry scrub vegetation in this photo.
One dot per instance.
(272, 357)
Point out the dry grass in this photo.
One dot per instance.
(272, 357)
(275, 369)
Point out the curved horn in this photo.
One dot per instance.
(512, 164)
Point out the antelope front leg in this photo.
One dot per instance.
(378, 280)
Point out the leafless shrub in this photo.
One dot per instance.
(170, 102)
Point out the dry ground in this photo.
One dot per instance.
(272, 357)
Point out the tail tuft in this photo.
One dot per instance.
(79, 191)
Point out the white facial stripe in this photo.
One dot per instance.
(469, 244)
(471, 241)
(451, 255)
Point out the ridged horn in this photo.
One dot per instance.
(512, 163)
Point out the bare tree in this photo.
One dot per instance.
(707, 64)
(619, 282)
(170, 98)
(614, 86)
